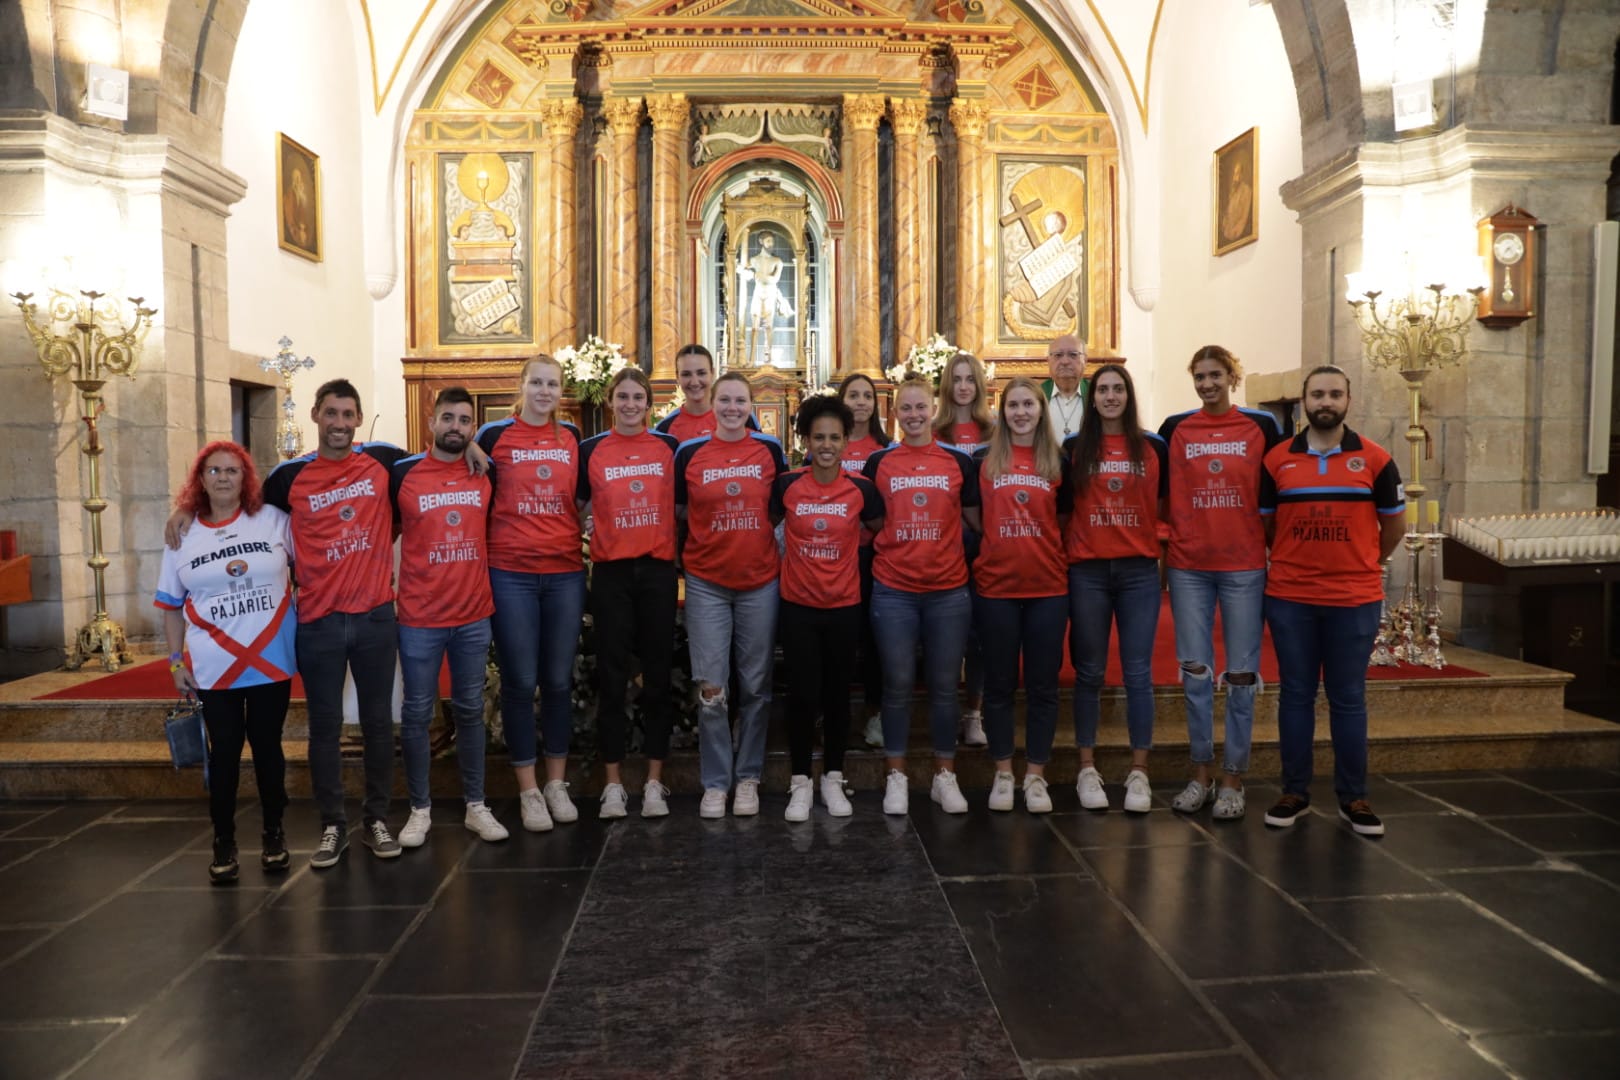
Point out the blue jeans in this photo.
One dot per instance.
(1031, 629)
(1104, 592)
(365, 643)
(1330, 645)
(536, 626)
(422, 650)
(1193, 596)
(725, 627)
(940, 620)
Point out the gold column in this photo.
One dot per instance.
(861, 115)
(909, 269)
(972, 252)
(669, 113)
(620, 318)
(562, 119)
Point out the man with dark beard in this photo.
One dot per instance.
(1332, 502)
(445, 605)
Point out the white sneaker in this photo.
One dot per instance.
(1090, 788)
(1138, 795)
(613, 801)
(896, 796)
(1001, 792)
(973, 728)
(536, 817)
(479, 820)
(713, 804)
(947, 794)
(653, 795)
(1036, 800)
(415, 832)
(746, 802)
(832, 794)
(874, 731)
(800, 796)
(562, 807)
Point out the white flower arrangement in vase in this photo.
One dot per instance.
(589, 366)
(672, 406)
(927, 360)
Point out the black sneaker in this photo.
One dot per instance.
(1361, 818)
(376, 836)
(224, 869)
(1286, 810)
(274, 857)
(334, 841)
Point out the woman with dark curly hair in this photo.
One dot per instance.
(227, 602)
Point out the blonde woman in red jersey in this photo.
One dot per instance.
(930, 491)
(1217, 556)
(867, 435)
(823, 511)
(728, 553)
(627, 476)
(537, 576)
(1021, 596)
(962, 419)
(1118, 474)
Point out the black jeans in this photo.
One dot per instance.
(256, 714)
(366, 643)
(818, 645)
(633, 609)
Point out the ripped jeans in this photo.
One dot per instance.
(1193, 597)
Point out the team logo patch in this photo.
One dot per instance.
(543, 472)
(1115, 484)
(637, 487)
(1356, 464)
(1215, 465)
(347, 513)
(1020, 496)
(236, 568)
(919, 499)
(821, 525)
(453, 518)
(734, 489)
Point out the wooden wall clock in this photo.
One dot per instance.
(1506, 243)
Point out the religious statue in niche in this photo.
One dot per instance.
(812, 130)
(484, 217)
(1042, 240)
(765, 281)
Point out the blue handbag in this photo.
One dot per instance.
(188, 736)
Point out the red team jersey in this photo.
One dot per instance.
(534, 523)
(684, 425)
(856, 451)
(726, 490)
(629, 480)
(821, 525)
(342, 527)
(443, 564)
(1116, 509)
(1327, 506)
(1021, 548)
(1214, 473)
(968, 436)
(924, 490)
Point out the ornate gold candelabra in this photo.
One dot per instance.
(289, 437)
(88, 338)
(1415, 334)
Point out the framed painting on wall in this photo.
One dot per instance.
(1236, 214)
(1041, 240)
(298, 198)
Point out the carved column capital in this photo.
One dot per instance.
(908, 115)
(623, 115)
(969, 116)
(562, 117)
(668, 111)
(863, 111)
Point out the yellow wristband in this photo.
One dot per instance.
(176, 666)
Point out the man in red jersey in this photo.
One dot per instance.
(1332, 502)
(444, 609)
(343, 533)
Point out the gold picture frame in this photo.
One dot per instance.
(1235, 181)
(298, 199)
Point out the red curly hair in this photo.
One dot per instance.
(193, 497)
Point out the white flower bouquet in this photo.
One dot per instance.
(672, 406)
(589, 366)
(927, 360)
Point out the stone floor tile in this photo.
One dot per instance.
(1558, 834)
(442, 1037)
(44, 1052)
(1536, 1056)
(986, 842)
(1450, 842)
(64, 880)
(1571, 912)
(1317, 858)
(1491, 797)
(310, 931)
(1095, 829)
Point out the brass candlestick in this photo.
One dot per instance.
(94, 340)
(289, 438)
